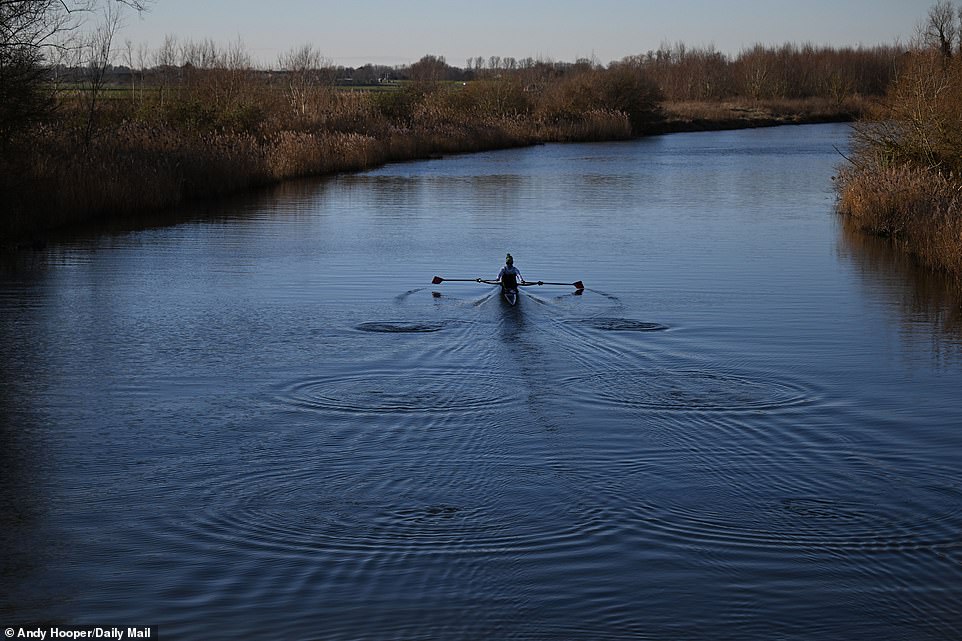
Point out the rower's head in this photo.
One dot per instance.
(508, 260)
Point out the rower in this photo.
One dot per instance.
(509, 276)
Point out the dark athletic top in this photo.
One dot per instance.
(509, 277)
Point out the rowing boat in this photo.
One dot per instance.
(510, 295)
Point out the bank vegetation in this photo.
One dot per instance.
(100, 128)
(904, 180)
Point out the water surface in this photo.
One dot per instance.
(264, 420)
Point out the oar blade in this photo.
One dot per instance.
(579, 285)
(437, 280)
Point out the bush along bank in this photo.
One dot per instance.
(904, 180)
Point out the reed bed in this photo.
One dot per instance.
(192, 131)
(736, 113)
(918, 208)
(904, 181)
(86, 139)
(196, 140)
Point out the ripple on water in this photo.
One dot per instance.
(303, 509)
(403, 392)
(684, 390)
(389, 327)
(619, 325)
(828, 523)
(370, 529)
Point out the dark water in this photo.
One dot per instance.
(266, 421)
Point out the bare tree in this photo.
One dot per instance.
(37, 24)
(940, 29)
(30, 30)
(165, 60)
(230, 79)
(307, 73)
(129, 63)
(429, 69)
(25, 27)
(97, 52)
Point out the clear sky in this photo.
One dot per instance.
(353, 32)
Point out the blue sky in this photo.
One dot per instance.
(353, 32)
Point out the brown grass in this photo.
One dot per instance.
(193, 140)
(190, 132)
(904, 181)
(736, 113)
(918, 208)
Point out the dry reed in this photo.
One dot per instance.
(918, 208)
(904, 180)
(202, 132)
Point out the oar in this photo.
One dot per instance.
(577, 284)
(437, 280)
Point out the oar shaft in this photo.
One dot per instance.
(577, 284)
(437, 280)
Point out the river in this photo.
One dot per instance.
(262, 420)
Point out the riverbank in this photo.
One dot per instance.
(142, 169)
(137, 167)
(204, 133)
(918, 209)
(688, 116)
(903, 182)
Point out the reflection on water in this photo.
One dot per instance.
(924, 300)
(261, 419)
